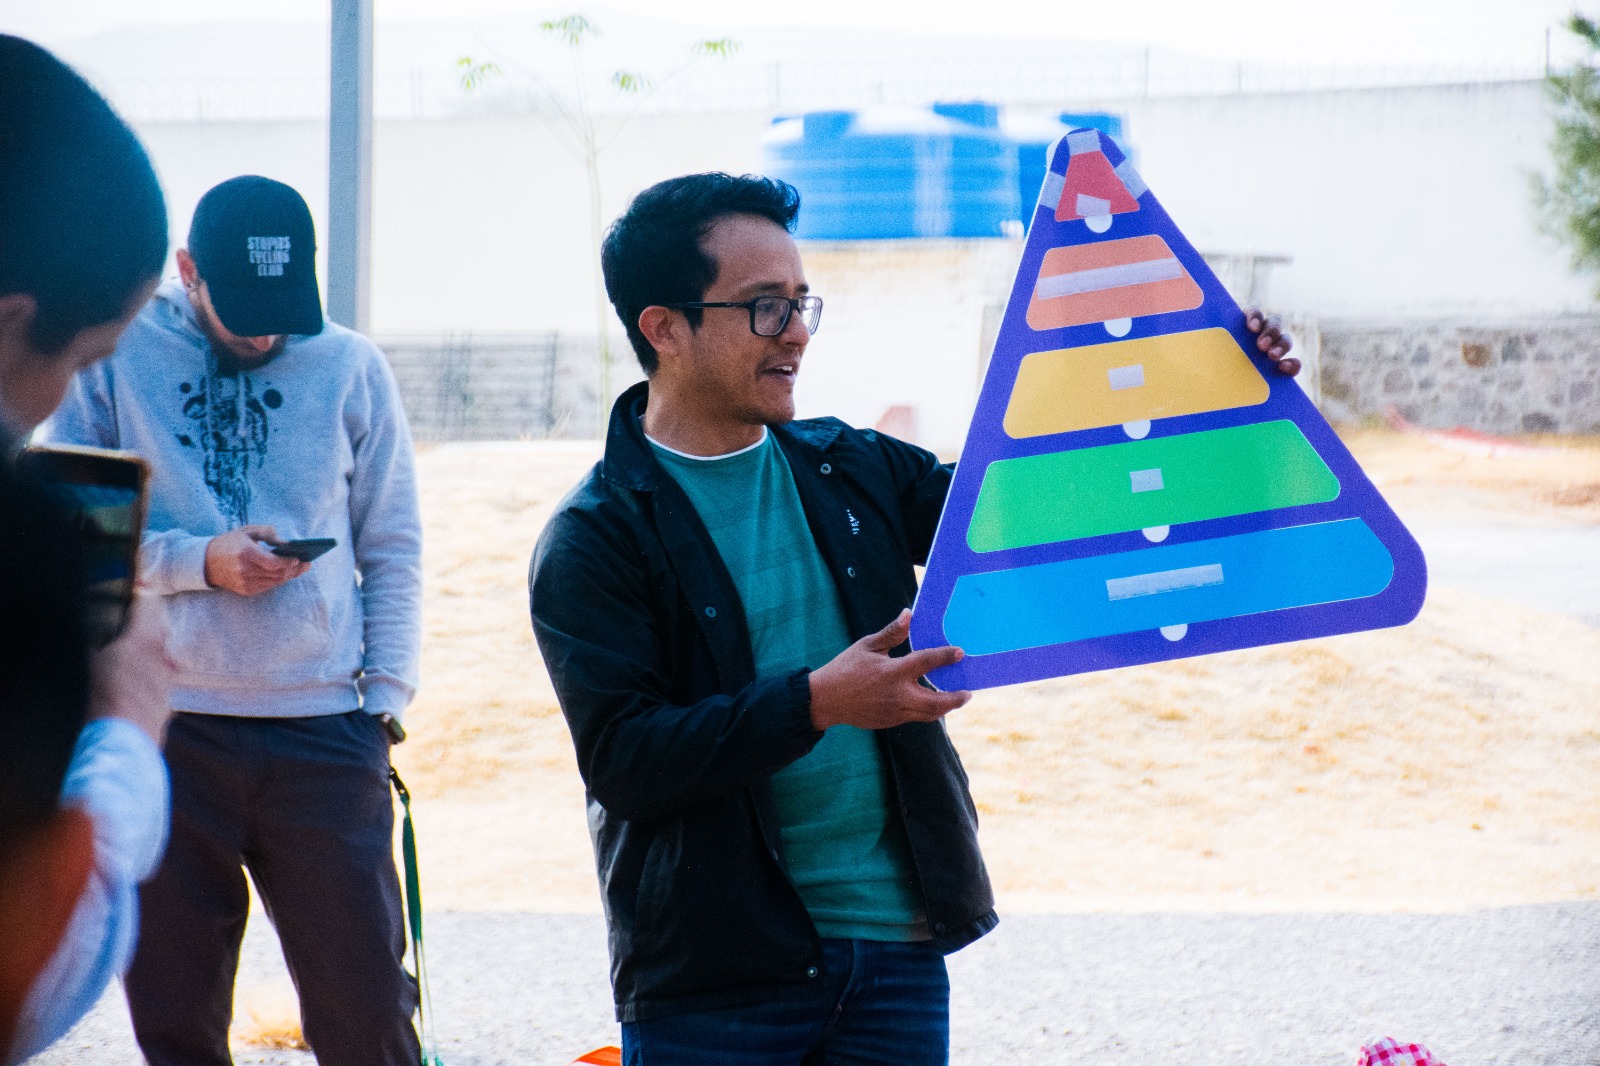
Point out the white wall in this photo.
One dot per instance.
(191, 157)
(1398, 202)
(1391, 203)
(479, 225)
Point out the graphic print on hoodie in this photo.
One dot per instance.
(231, 428)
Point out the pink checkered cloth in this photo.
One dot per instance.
(1387, 1052)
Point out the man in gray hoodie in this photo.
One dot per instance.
(263, 426)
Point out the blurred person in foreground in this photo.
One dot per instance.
(83, 791)
(786, 844)
(262, 423)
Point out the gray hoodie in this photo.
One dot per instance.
(315, 444)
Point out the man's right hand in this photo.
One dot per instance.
(132, 675)
(234, 561)
(865, 687)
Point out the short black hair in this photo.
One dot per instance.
(44, 655)
(651, 254)
(82, 222)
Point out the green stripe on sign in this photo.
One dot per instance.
(1042, 499)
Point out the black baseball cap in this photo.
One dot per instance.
(255, 247)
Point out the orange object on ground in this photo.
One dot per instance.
(600, 1056)
(1462, 439)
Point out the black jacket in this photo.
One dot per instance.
(645, 640)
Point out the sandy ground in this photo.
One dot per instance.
(1444, 768)
(1452, 763)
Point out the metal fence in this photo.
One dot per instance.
(526, 387)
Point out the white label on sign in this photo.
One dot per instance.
(1126, 377)
(1099, 279)
(1082, 142)
(1090, 206)
(1050, 194)
(1190, 577)
(1146, 480)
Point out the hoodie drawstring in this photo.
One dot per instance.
(238, 405)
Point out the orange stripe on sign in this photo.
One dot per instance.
(1109, 280)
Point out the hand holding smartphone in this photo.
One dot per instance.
(246, 562)
(305, 550)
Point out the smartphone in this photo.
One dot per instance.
(304, 550)
(103, 493)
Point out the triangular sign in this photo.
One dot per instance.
(1139, 483)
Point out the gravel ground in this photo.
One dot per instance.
(1515, 985)
(1518, 985)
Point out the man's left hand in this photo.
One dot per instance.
(1272, 341)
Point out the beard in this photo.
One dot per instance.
(229, 360)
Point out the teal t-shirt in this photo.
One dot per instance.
(845, 846)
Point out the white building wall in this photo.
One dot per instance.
(191, 157)
(478, 225)
(1400, 202)
(1389, 205)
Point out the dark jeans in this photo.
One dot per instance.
(303, 804)
(875, 1004)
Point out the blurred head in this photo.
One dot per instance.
(250, 268)
(83, 230)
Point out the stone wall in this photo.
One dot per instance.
(1539, 377)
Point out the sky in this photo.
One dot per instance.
(1480, 33)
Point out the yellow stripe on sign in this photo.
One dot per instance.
(1131, 381)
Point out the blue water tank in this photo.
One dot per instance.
(1033, 136)
(894, 172)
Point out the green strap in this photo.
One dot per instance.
(408, 847)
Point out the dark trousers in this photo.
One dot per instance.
(874, 1004)
(303, 804)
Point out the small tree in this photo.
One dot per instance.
(585, 127)
(1570, 203)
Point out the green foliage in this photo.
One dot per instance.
(572, 29)
(475, 74)
(628, 82)
(585, 127)
(721, 48)
(1570, 203)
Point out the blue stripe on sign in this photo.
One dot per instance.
(1079, 599)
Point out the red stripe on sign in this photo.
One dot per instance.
(1090, 174)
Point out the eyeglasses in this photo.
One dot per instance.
(769, 315)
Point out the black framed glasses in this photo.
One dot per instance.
(769, 315)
